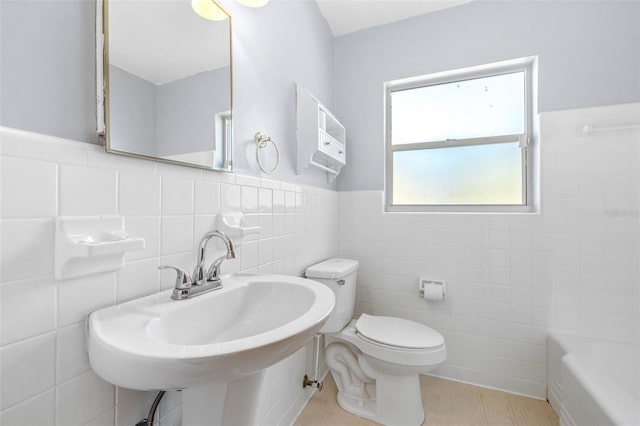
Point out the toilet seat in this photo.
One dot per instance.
(420, 357)
(398, 333)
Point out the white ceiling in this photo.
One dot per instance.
(347, 16)
(142, 33)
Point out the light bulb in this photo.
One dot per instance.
(253, 3)
(208, 10)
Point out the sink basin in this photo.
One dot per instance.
(157, 343)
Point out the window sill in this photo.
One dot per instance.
(466, 209)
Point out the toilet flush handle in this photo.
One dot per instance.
(340, 282)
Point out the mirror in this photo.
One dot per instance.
(167, 82)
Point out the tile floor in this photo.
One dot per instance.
(446, 403)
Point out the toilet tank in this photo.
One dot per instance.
(340, 276)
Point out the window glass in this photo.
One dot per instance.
(464, 175)
(479, 107)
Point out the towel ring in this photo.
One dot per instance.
(261, 142)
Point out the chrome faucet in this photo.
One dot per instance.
(213, 274)
(199, 283)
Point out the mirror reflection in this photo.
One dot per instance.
(168, 74)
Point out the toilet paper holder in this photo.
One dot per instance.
(423, 283)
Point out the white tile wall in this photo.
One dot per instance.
(46, 376)
(511, 278)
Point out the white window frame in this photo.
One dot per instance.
(527, 141)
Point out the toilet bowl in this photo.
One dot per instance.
(375, 360)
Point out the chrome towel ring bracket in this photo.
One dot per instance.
(262, 141)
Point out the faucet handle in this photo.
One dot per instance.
(183, 280)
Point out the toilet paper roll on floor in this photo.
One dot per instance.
(433, 290)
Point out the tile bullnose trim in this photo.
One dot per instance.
(27, 144)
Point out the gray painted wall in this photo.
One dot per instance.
(132, 120)
(275, 46)
(186, 109)
(589, 55)
(47, 68)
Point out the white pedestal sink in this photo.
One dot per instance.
(214, 346)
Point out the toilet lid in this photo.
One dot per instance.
(398, 332)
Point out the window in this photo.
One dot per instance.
(461, 140)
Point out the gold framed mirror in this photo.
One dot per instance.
(165, 73)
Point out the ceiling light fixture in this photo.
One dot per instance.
(210, 10)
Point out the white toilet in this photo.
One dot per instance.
(375, 361)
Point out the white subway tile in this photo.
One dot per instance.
(499, 239)
(231, 266)
(82, 399)
(207, 197)
(97, 157)
(543, 317)
(27, 248)
(521, 277)
(265, 251)
(133, 405)
(532, 372)
(147, 227)
(521, 295)
(249, 256)
(170, 401)
(105, 419)
(29, 188)
(252, 220)
(247, 180)
(177, 196)
(72, 357)
(40, 294)
(177, 234)
(265, 221)
(479, 256)
(85, 191)
(567, 260)
(278, 225)
(27, 369)
(249, 199)
(290, 245)
(520, 258)
(23, 144)
(499, 257)
(278, 201)
(230, 198)
(266, 268)
(478, 274)
(174, 170)
(268, 183)
(138, 194)
(265, 201)
(39, 410)
(289, 223)
(203, 225)
(289, 202)
(499, 293)
(499, 275)
(138, 279)
(80, 296)
(174, 418)
(115, 185)
(287, 186)
(382, 297)
(469, 307)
